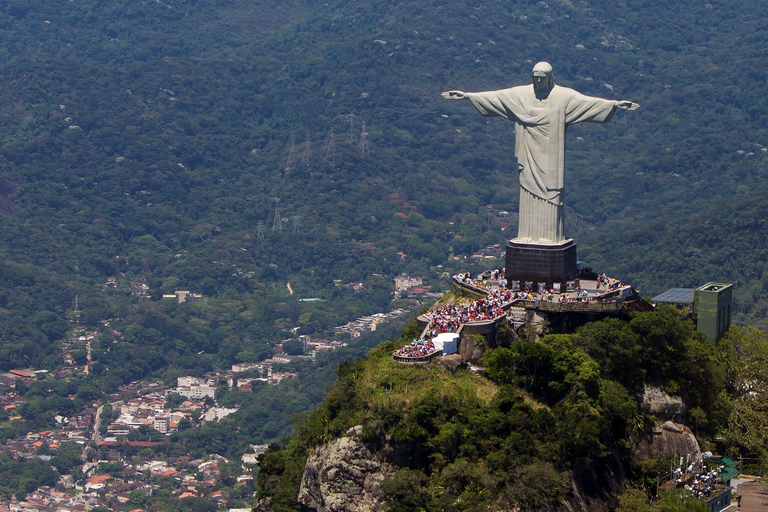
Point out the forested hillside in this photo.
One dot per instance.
(146, 141)
(547, 416)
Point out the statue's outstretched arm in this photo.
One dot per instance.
(627, 105)
(454, 95)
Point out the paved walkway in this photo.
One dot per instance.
(754, 497)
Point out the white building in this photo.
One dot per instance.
(161, 423)
(194, 388)
(197, 392)
(216, 413)
(404, 282)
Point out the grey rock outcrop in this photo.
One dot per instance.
(664, 406)
(343, 475)
(668, 436)
(468, 349)
(452, 362)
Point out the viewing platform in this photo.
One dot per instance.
(417, 359)
(590, 298)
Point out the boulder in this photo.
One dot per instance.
(452, 362)
(669, 437)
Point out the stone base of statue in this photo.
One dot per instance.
(540, 266)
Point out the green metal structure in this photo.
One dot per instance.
(712, 309)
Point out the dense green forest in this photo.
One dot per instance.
(149, 141)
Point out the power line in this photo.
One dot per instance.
(290, 163)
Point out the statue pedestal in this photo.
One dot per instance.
(551, 264)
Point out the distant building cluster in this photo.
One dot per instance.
(146, 410)
(135, 288)
(252, 456)
(69, 348)
(196, 389)
(403, 282)
(182, 296)
(45, 499)
(140, 290)
(264, 368)
(247, 367)
(355, 286)
(314, 345)
(406, 286)
(366, 323)
(490, 252)
(186, 478)
(140, 417)
(73, 429)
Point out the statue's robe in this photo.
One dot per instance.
(540, 126)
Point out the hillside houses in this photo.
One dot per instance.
(366, 323)
(196, 389)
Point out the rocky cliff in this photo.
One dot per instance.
(343, 475)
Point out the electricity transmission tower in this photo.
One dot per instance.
(277, 224)
(306, 157)
(351, 132)
(77, 308)
(363, 143)
(330, 149)
(260, 230)
(296, 224)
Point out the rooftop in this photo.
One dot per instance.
(675, 296)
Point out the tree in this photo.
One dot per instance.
(680, 500)
(633, 500)
(184, 424)
(743, 353)
(173, 400)
(67, 457)
(293, 347)
(406, 491)
(615, 347)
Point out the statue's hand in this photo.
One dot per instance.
(627, 105)
(454, 95)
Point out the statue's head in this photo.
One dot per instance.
(543, 79)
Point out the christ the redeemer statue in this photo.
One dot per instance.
(541, 112)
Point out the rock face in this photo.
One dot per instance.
(668, 436)
(663, 405)
(468, 350)
(343, 475)
(452, 362)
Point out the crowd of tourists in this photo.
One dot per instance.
(495, 280)
(417, 348)
(449, 318)
(609, 283)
